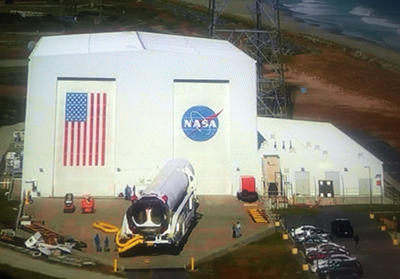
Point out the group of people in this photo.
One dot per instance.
(130, 194)
(97, 242)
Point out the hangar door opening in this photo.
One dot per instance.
(272, 177)
(334, 176)
(325, 188)
(84, 137)
(202, 131)
(364, 186)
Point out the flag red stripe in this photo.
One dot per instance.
(84, 145)
(71, 143)
(91, 130)
(78, 143)
(103, 137)
(97, 130)
(65, 143)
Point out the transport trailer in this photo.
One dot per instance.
(164, 211)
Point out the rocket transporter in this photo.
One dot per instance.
(164, 211)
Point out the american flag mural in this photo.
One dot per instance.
(85, 129)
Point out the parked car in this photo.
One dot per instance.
(321, 232)
(312, 232)
(324, 245)
(328, 261)
(325, 253)
(311, 241)
(340, 269)
(300, 230)
(342, 228)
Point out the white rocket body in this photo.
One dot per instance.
(164, 209)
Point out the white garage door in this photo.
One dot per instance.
(201, 131)
(84, 136)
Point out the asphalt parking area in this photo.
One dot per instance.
(377, 253)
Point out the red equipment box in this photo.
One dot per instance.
(87, 204)
(248, 183)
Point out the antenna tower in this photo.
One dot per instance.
(262, 43)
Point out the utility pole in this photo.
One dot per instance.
(264, 44)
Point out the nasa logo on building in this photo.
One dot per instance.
(200, 123)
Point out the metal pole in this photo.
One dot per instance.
(258, 27)
(343, 194)
(281, 71)
(101, 10)
(211, 10)
(381, 201)
(61, 7)
(370, 187)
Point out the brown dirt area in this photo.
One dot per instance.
(346, 91)
(341, 89)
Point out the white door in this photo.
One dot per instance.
(84, 136)
(302, 182)
(201, 132)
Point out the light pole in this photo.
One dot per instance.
(379, 182)
(370, 187)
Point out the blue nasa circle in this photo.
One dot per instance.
(200, 123)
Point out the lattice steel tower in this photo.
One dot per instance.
(262, 43)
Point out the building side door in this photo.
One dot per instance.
(202, 132)
(271, 171)
(84, 137)
(302, 180)
(364, 186)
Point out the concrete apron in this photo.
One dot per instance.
(211, 237)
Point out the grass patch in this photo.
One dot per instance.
(296, 210)
(265, 258)
(7, 213)
(12, 110)
(8, 272)
(13, 75)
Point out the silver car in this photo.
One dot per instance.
(331, 260)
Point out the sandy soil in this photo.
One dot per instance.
(346, 91)
(341, 88)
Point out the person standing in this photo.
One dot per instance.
(238, 228)
(106, 244)
(234, 230)
(128, 193)
(97, 242)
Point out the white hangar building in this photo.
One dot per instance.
(314, 159)
(104, 110)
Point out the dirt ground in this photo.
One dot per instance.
(340, 88)
(346, 91)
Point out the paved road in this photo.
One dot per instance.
(377, 253)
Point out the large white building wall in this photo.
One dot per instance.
(144, 105)
(40, 121)
(149, 109)
(320, 151)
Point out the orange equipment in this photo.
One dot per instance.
(87, 204)
(105, 227)
(126, 245)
